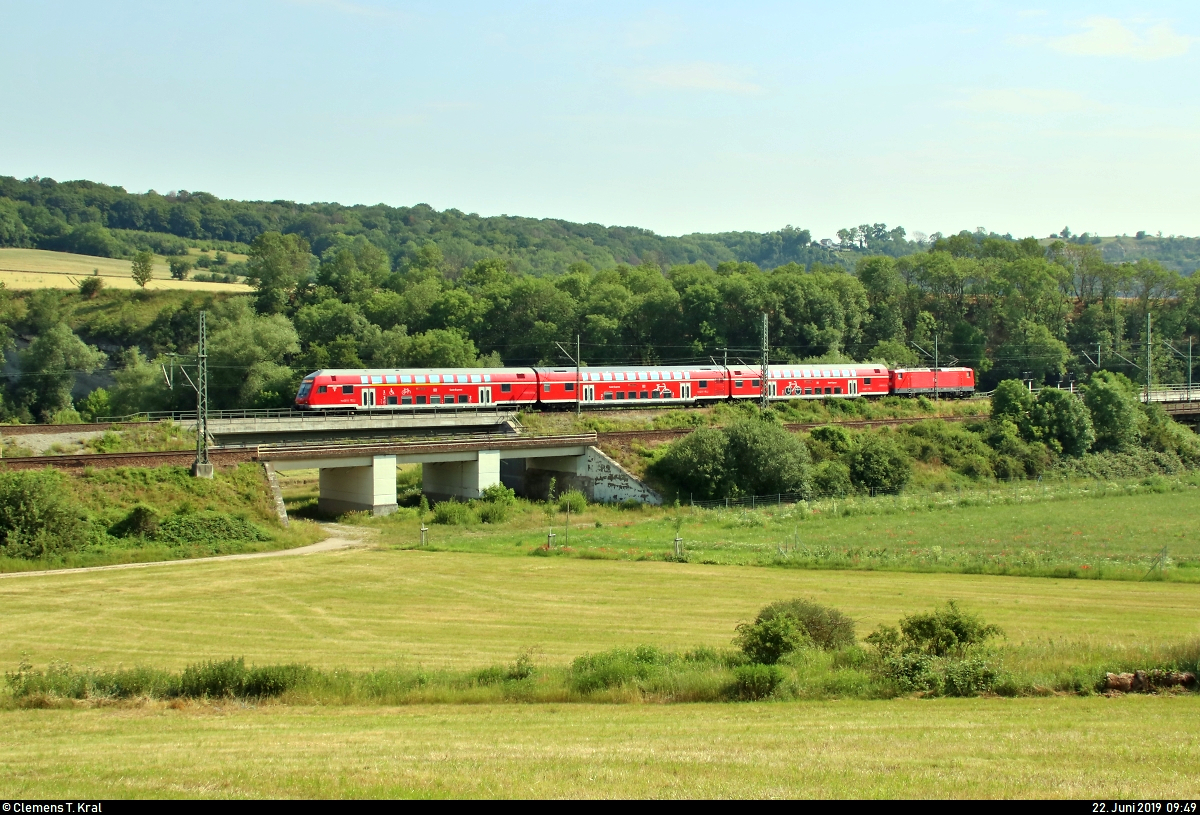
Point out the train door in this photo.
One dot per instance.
(771, 390)
(685, 390)
(368, 397)
(853, 387)
(485, 396)
(589, 393)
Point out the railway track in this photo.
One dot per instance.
(626, 436)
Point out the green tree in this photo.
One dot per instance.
(763, 458)
(96, 404)
(248, 355)
(179, 268)
(143, 268)
(278, 264)
(1012, 401)
(695, 465)
(1061, 420)
(878, 464)
(50, 365)
(1110, 398)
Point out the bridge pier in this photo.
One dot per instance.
(370, 488)
(466, 478)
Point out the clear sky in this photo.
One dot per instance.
(678, 117)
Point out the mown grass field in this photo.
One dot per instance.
(41, 269)
(1083, 530)
(363, 609)
(1033, 748)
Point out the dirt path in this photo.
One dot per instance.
(340, 537)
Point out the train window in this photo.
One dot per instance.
(546, 388)
(462, 379)
(520, 376)
(653, 394)
(633, 394)
(418, 378)
(570, 386)
(867, 381)
(837, 390)
(619, 377)
(620, 394)
(462, 397)
(655, 376)
(487, 377)
(404, 400)
(322, 389)
(642, 395)
(476, 378)
(435, 400)
(377, 380)
(608, 377)
(687, 375)
(406, 379)
(608, 396)
(421, 400)
(365, 379)
(704, 383)
(827, 390)
(391, 379)
(754, 383)
(435, 378)
(506, 387)
(737, 383)
(347, 389)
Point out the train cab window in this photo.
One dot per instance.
(837, 390)
(570, 386)
(704, 383)
(420, 400)
(435, 400)
(404, 400)
(737, 383)
(754, 383)
(608, 396)
(322, 389)
(867, 381)
(347, 389)
(506, 387)
(462, 397)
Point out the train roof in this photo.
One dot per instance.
(397, 371)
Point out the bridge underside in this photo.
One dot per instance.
(368, 483)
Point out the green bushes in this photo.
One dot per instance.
(752, 456)
(754, 682)
(186, 528)
(879, 465)
(37, 515)
(826, 627)
(611, 669)
(766, 641)
(453, 513)
(573, 500)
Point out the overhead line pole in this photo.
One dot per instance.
(765, 396)
(202, 468)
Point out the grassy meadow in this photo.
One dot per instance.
(42, 269)
(1134, 747)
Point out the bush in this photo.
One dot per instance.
(89, 287)
(695, 465)
(831, 479)
(766, 641)
(879, 465)
(1061, 420)
(611, 669)
(1111, 399)
(490, 513)
(970, 676)
(37, 515)
(944, 630)
(141, 521)
(828, 628)
(764, 458)
(206, 527)
(574, 500)
(453, 513)
(231, 677)
(498, 494)
(751, 682)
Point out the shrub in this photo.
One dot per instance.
(944, 630)
(837, 440)
(832, 479)
(912, 671)
(1114, 407)
(89, 287)
(231, 677)
(37, 516)
(1061, 420)
(970, 676)
(879, 465)
(498, 494)
(696, 464)
(453, 513)
(755, 681)
(574, 500)
(765, 458)
(766, 641)
(610, 669)
(141, 521)
(206, 527)
(489, 513)
(827, 627)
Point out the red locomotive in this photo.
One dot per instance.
(613, 386)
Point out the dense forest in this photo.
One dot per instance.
(349, 286)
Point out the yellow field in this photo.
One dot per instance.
(364, 609)
(1133, 747)
(39, 269)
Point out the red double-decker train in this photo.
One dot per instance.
(616, 386)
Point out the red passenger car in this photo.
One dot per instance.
(928, 381)
(646, 384)
(431, 388)
(819, 381)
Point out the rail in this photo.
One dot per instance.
(290, 413)
(446, 444)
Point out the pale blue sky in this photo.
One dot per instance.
(678, 117)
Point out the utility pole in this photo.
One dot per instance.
(1148, 358)
(765, 396)
(578, 380)
(202, 468)
(935, 369)
(1189, 393)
